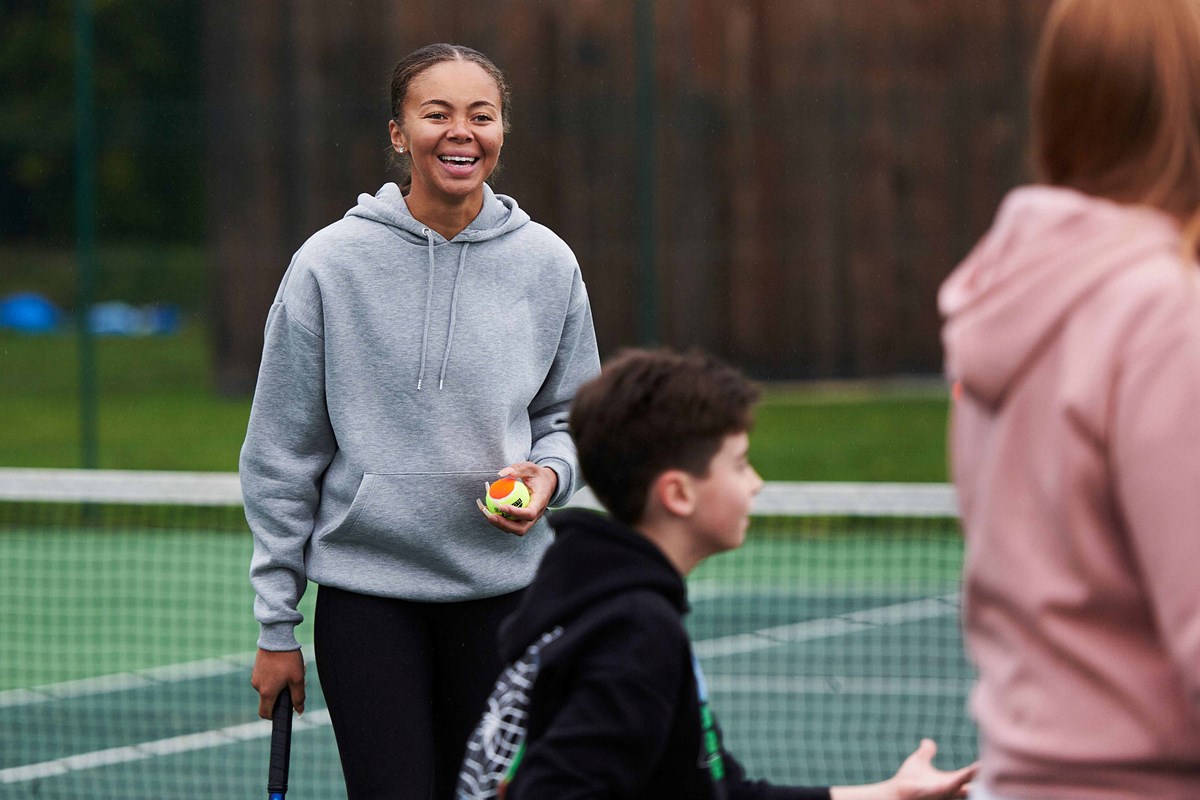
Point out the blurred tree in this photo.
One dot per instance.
(148, 132)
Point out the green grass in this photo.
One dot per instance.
(157, 410)
(868, 434)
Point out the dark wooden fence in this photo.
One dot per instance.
(783, 182)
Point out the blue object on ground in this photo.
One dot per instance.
(29, 312)
(161, 318)
(122, 319)
(114, 319)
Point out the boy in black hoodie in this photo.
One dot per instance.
(603, 697)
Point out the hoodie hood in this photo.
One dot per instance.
(1048, 250)
(499, 215)
(569, 582)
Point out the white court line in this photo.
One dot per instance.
(766, 638)
(162, 747)
(123, 681)
(838, 685)
(138, 679)
(762, 639)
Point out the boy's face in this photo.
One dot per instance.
(724, 496)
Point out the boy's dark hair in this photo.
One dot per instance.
(654, 410)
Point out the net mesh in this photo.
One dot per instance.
(830, 640)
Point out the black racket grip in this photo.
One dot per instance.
(281, 744)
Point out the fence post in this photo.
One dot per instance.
(85, 226)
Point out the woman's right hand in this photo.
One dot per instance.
(272, 671)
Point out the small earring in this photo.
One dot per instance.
(400, 149)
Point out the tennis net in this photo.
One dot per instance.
(830, 640)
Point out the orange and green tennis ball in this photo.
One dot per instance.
(506, 492)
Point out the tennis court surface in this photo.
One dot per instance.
(830, 641)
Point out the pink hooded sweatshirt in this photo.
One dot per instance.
(1072, 338)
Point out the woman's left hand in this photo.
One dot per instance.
(542, 483)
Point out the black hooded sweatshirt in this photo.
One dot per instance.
(603, 697)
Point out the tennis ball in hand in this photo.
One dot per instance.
(506, 492)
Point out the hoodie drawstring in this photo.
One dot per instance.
(462, 260)
(428, 305)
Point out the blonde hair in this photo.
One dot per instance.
(1116, 104)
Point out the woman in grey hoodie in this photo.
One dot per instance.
(432, 337)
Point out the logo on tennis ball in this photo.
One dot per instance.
(506, 492)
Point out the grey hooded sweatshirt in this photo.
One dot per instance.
(400, 372)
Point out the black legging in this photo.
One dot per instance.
(405, 684)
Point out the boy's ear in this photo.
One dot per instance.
(675, 492)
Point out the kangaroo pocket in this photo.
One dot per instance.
(421, 535)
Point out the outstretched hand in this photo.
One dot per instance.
(917, 779)
(542, 483)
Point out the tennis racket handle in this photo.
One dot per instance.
(281, 745)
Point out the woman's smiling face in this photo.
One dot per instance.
(452, 130)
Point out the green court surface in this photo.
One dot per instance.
(830, 648)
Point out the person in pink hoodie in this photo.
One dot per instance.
(1072, 341)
